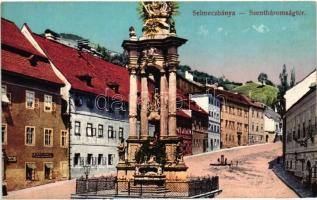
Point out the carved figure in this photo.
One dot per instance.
(121, 150)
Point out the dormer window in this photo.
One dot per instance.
(33, 60)
(87, 79)
(114, 86)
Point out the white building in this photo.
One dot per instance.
(302, 87)
(272, 125)
(210, 104)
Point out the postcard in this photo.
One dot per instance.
(158, 99)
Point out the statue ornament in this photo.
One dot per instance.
(157, 16)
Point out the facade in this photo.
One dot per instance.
(301, 138)
(184, 130)
(234, 119)
(256, 122)
(199, 129)
(272, 125)
(35, 139)
(211, 105)
(95, 101)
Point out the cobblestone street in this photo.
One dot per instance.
(251, 178)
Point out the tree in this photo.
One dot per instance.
(262, 78)
(292, 81)
(283, 87)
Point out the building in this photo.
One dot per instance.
(302, 87)
(256, 122)
(199, 128)
(272, 125)
(184, 129)
(211, 105)
(35, 139)
(95, 100)
(301, 138)
(234, 119)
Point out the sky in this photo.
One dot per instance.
(238, 47)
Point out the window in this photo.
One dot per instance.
(77, 128)
(30, 135)
(64, 138)
(30, 169)
(89, 159)
(110, 159)
(120, 133)
(48, 171)
(29, 99)
(100, 130)
(4, 134)
(48, 103)
(48, 137)
(89, 130)
(111, 133)
(76, 159)
(3, 89)
(100, 159)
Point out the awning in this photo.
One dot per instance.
(4, 98)
(49, 165)
(31, 165)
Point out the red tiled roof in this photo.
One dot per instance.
(20, 64)
(189, 103)
(253, 103)
(181, 113)
(230, 96)
(12, 36)
(74, 64)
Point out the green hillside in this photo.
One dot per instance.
(266, 94)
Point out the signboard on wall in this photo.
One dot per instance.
(42, 155)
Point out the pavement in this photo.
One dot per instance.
(252, 177)
(291, 181)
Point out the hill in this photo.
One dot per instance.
(263, 93)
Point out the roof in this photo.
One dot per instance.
(230, 96)
(253, 103)
(14, 61)
(75, 65)
(189, 103)
(311, 90)
(12, 36)
(181, 113)
(270, 113)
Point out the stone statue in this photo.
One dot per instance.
(121, 150)
(179, 152)
(154, 107)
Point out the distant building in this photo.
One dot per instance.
(234, 119)
(211, 105)
(300, 89)
(35, 139)
(272, 125)
(301, 138)
(256, 122)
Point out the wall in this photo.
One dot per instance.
(16, 117)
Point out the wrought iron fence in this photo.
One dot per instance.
(110, 186)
